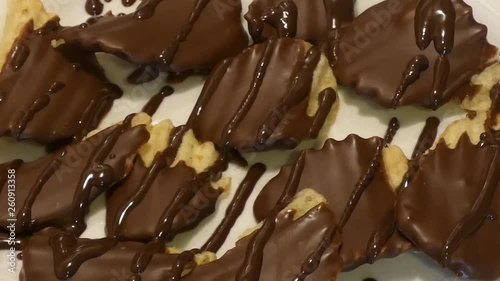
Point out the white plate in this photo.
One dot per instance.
(356, 115)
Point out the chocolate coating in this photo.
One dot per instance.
(396, 35)
(334, 172)
(113, 263)
(57, 189)
(309, 20)
(51, 94)
(138, 204)
(495, 103)
(179, 35)
(287, 247)
(258, 100)
(450, 209)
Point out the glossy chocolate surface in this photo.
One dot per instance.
(334, 171)
(309, 20)
(179, 35)
(450, 210)
(137, 206)
(51, 94)
(57, 189)
(287, 246)
(258, 100)
(99, 260)
(429, 51)
(235, 209)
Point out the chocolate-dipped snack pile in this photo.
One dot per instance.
(175, 36)
(429, 51)
(41, 76)
(332, 209)
(271, 96)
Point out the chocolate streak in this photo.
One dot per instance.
(460, 51)
(495, 104)
(286, 247)
(137, 206)
(66, 77)
(388, 223)
(424, 143)
(184, 43)
(256, 108)
(57, 190)
(155, 101)
(366, 233)
(235, 208)
(462, 237)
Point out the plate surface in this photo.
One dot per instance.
(356, 115)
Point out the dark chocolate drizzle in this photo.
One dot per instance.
(154, 103)
(19, 55)
(273, 128)
(183, 259)
(495, 104)
(251, 95)
(70, 254)
(235, 208)
(252, 265)
(161, 161)
(142, 258)
(92, 173)
(424, 143)
(96, 175)
(481, 207)
(165, 225)
(73, 79)
(312, 263)
(386, 228)
(417, 65)
(435, 21)
(24, 215)
(460, 51)
(185, 46)
(167, 56)
(461, 237)
(296, 18)
(87, 259)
